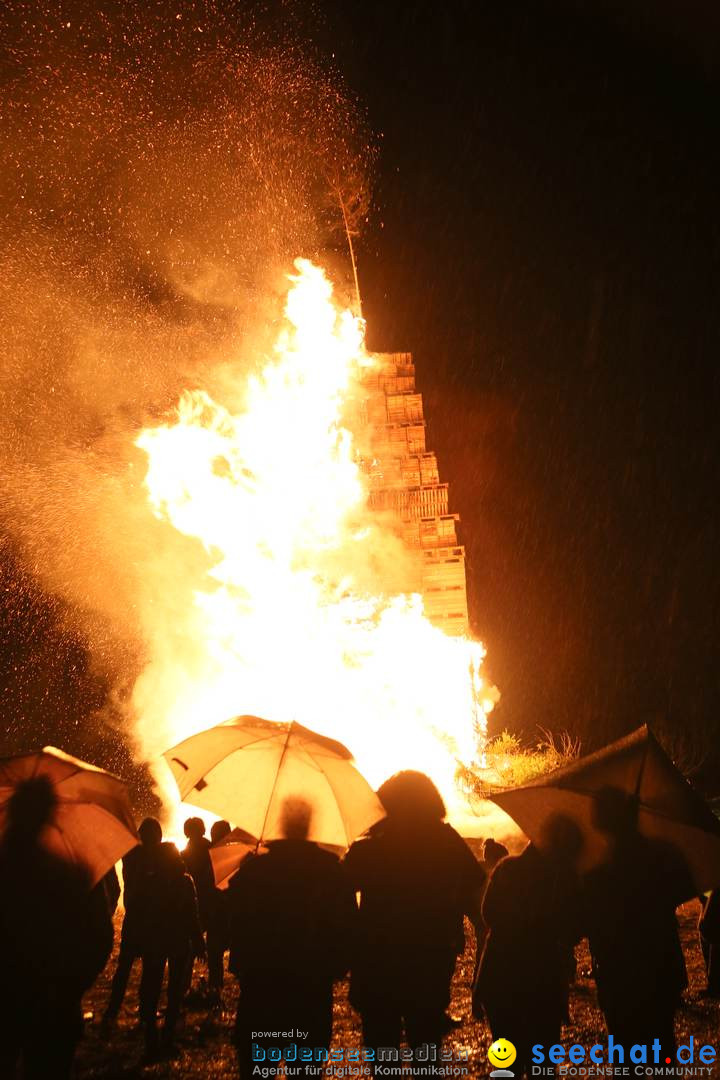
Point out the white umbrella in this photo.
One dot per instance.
(246, 768)
(92, 825)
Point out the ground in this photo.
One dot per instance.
(204, 1041)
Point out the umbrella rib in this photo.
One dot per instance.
(74, 853)
(275, 781)
(75, 772)
(39, 758)
(334, 795)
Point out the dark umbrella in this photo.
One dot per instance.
(92, 824)
(669, 808)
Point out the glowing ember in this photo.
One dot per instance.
(293, 615)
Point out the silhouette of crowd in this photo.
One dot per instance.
(390, 912)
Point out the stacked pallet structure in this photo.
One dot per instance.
(404, 480)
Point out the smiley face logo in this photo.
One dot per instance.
(502, 1053)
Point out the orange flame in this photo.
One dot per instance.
(287, 621)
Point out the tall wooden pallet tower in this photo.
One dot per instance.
(404, 479)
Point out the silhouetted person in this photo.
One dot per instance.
(417, 878)
(492, 853)
(218, 925)
(709, 927)
(532, 912)
(55, 938)
(630, 901)
(196, 856)
(169, 933)
(219, 831)
(292, 913)
(139, 871)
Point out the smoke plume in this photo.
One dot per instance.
(163, 167)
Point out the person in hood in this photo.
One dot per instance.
(55, 938)
(533, 916)
(169, 934)
(217, 928)
(630, 900)
(292, 916)
(417, 879)
(139, 864)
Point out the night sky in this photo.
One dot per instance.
(545, 240)
(546, 243)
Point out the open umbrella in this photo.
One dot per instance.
(244, 769)
(92, 825)
(227, 855)
(668, 807)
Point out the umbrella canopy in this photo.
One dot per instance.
(92, 825)
(246, 768)
(229, 853)
(668, 807)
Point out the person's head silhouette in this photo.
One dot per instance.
(562, 838)
(493, 852)
(295, 818)
(411, 798)
(30, 808)
(218, 831)
(194, 828)
(150, 832)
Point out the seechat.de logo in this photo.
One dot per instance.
(501, 1054)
